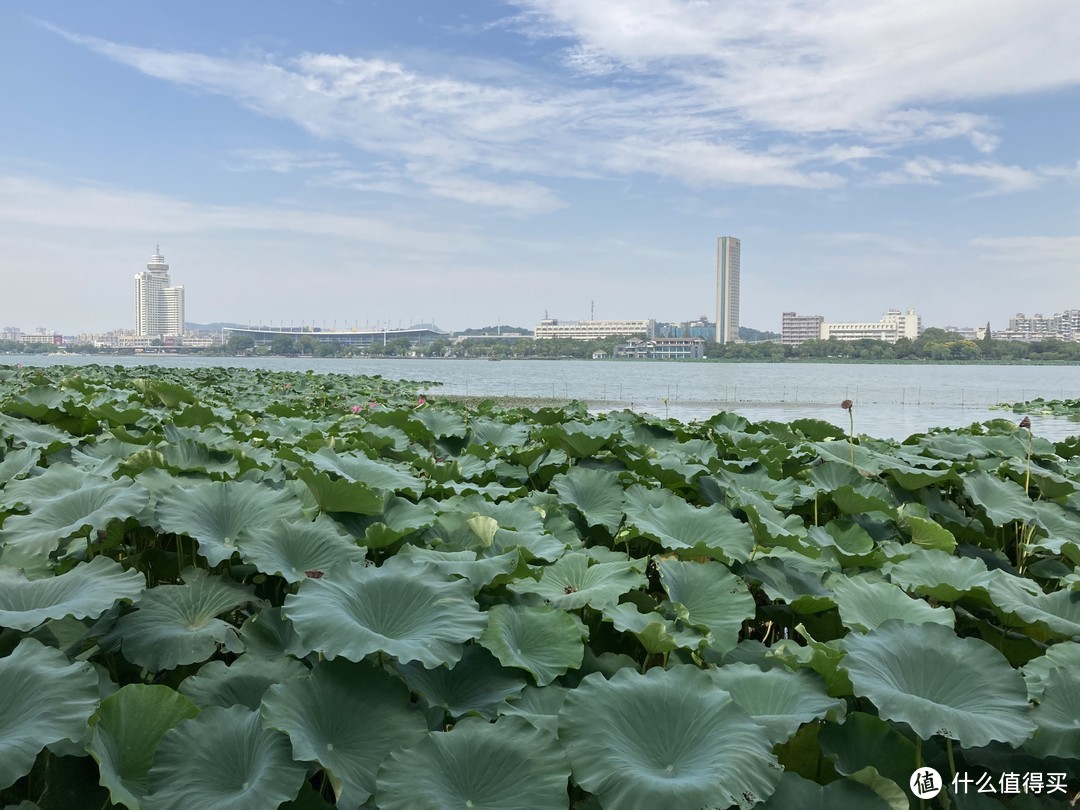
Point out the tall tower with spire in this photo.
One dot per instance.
(159, 306)
(728, 250)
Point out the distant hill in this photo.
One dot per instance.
(751, 335)
(496, 330)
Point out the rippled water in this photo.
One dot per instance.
(890, 400)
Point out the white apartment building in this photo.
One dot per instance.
(893, 326)
(591, 330)
(728, 255)
(159, 306)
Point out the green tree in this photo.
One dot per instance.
(283, 344)
(239, 344)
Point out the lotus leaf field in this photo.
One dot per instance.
(227, 588)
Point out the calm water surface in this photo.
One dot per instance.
(891, 401)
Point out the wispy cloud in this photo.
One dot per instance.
(996, 177)
(282, 161)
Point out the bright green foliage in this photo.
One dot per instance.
(230, 588)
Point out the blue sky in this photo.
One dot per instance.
(478, 162)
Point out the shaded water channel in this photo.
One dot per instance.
(891, 401)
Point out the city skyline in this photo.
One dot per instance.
(482, 163)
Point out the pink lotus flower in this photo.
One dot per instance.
(420, 401)
(356, 409)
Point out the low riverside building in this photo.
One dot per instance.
(674, 348)
(893, 326)
(418, 334)
(796, 329)
(591, 330)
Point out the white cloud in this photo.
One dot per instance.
(847, 65)
(282, 161)
(998, 177)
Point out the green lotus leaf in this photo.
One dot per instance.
(292, 548)
(506, 765)
(668, 738)
(342, 496)
(925, 532)
(375, 474)
(177, 624)
(268, 634)
(597, 494)
(1064, 654)
(476, 684)
(778, 699)
(570, 582)
(405, 611)
(845, 535)
(498, 434)
(864, 740)
(771, 527)
(216, 512)
(793, 791)
(1004, 501)
(1059, 611)
(656, 632)
(823, 657)
(792, 578)
(442, 424)
(43, 699)
(168, 394)
(86, 591)
(93, 505)
(864, 605)
(867, 497)
(347, 717)
(400, 517)
(17, 462)
(577, 439)
(939, 575)
(31, 434)
(1057, 716)
(479, 572)
(127, 728)
(241, 683)
(543, 641)
(56, 479)
(927, 677)
(675, 524)
(223, 759)
(708, 595)
(539, 705)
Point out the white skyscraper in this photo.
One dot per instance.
(727, 289)
(159, 307)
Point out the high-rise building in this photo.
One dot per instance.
(159, 306)
(727, 289)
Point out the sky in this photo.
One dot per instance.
(470, 163)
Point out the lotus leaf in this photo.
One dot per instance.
(347, 717)
(477, 684)
(86, 591)
(223, 759)
(864, 605)
(178, 624)
(539, 705)
(1059, 611)
(241, 683)
(375, 474)
(544, 641)
(216, 512)
(668, 738)
(708, 595)
(409, 612)
(675, 524)
(656, 632)
(127, 728)
(1057, 716)
(292, 548)
(571, 582)
(778, 699)
(506, 765)
(1064, 654)
(793, 791)
(597, 494)
(864, 740)
(937, 574)
(1003, 500)
(465, 564)
(927, 677)
(53, 518)
(43, 699)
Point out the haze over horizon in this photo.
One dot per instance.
(484, 162)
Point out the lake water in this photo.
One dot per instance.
(891, 401)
